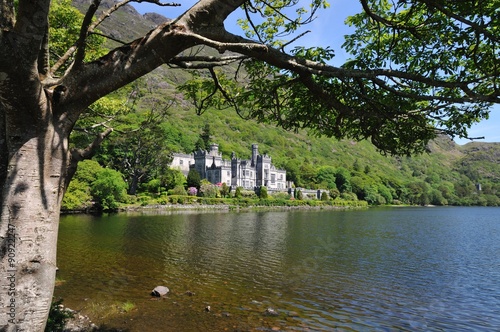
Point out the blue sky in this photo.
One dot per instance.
(329, 30)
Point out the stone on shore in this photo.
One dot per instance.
(160, 291)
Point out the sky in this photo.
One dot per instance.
(328, 30)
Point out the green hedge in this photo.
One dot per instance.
(247, 201)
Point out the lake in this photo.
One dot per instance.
(380, 269)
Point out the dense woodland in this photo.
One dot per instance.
(155, 116)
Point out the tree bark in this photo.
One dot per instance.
(31, 193)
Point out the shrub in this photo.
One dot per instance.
(208, 189)
(179, 190)
(77, 196)
(248, 193)
(281, 196)
(334, 193)
(299, 195)
(263, 192)
(238, 193)
(109, 189)
(224, 190)
(312, 202)
(349, 196)
(193, 179)
(153, 186)
(58, 317)
(192, 191)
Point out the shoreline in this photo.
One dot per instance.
(223, 207)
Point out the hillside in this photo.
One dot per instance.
(448, 168)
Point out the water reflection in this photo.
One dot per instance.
(402, 269)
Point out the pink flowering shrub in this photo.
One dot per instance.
(192, 191)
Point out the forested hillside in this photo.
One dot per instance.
(154, 119)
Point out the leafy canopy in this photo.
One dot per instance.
(419, 68)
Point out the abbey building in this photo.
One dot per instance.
(249, 174)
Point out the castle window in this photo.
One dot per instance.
(273, 178)
(181, 162)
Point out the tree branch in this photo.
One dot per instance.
(300, 65)
(92, 26)
(81, 44)
(87, 153)
(204, 62)
(478, 28)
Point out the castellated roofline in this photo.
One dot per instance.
(250, 173)
(213, 152)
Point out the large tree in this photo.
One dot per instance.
(421, 67)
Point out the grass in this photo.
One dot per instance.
(127, 306)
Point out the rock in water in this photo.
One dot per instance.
(271, 312)
(160, 291)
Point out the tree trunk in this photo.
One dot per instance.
(134, 183)
(33, 182)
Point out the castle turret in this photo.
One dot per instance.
(255, 153)
(214, 149)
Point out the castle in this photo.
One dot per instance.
(249, 174)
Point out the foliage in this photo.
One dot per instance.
(343, 180)
(193, 179)
(58, 316)
(326, 177)
(238, 192)
(208, 189)
(280, 196)
(78, 195)
(309, 161)
(224, 190)
(65, 24)
(153, 186)
(299, 195)
(334, 193)
(203, 142)
(263, 192)
(172, 178)
(109, 189)
(179, 190)
(192, 191)
(420, 68)
(141, 154)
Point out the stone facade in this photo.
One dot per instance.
(249, 174)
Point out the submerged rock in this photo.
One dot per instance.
(159, 291)
(271, 312)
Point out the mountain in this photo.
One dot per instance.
(447, 167)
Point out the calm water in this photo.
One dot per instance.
(394, 269)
